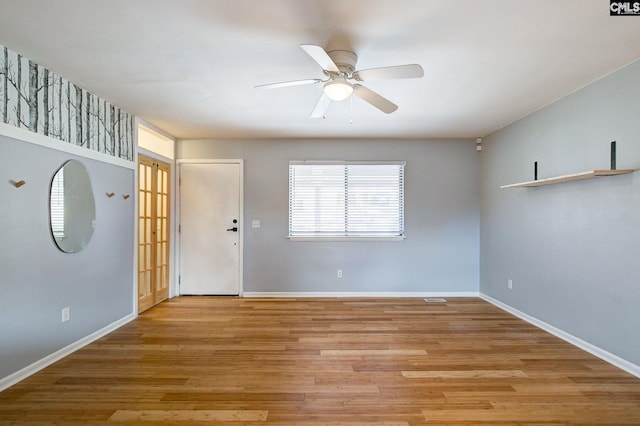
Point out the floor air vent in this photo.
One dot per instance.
(435, 300)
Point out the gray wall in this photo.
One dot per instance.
(572, 250)
(440, 253)
(37, 280)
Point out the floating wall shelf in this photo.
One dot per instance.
(590, 174)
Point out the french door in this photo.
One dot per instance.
(153, 232)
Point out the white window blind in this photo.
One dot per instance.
(347, 199)
(57, 205)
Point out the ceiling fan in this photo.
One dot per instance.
(343, 79)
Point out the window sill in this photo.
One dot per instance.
(345, 239)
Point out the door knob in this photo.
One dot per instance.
(234, 229)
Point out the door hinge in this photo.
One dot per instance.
(179, 228)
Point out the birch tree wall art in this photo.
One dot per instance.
(35, 98)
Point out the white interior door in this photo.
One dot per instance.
(210, 234)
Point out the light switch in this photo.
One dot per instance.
(255, 223)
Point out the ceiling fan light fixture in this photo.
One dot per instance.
(338, 90)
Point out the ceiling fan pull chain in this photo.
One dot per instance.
(351, 109)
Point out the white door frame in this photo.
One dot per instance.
(240, 162)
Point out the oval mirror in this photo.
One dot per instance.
(72, 209)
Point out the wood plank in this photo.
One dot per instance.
(189, 415)
(558, 413)
(589, 174)
(373, 352)
(461, 374)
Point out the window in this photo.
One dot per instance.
(57, 205)
(346, 199)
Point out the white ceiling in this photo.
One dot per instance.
(190, 66)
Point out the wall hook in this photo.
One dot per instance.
(126, 196)
(110, 194)
(18, 184)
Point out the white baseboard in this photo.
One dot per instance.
(304, 294)
(575, 341)
(27, 371)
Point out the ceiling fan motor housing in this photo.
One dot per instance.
(344, 60)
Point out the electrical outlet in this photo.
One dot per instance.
(255, 224)
(339, 273)
(65, 314)
(510, 284)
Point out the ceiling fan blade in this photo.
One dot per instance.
(368, 95)
(289, 83)
(398, 71)
(319, 55)
(321, 107)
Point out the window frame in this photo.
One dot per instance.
(347, 237)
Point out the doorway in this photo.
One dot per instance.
(210, 215)
(153, 232)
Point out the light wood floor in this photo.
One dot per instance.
(326, 362)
